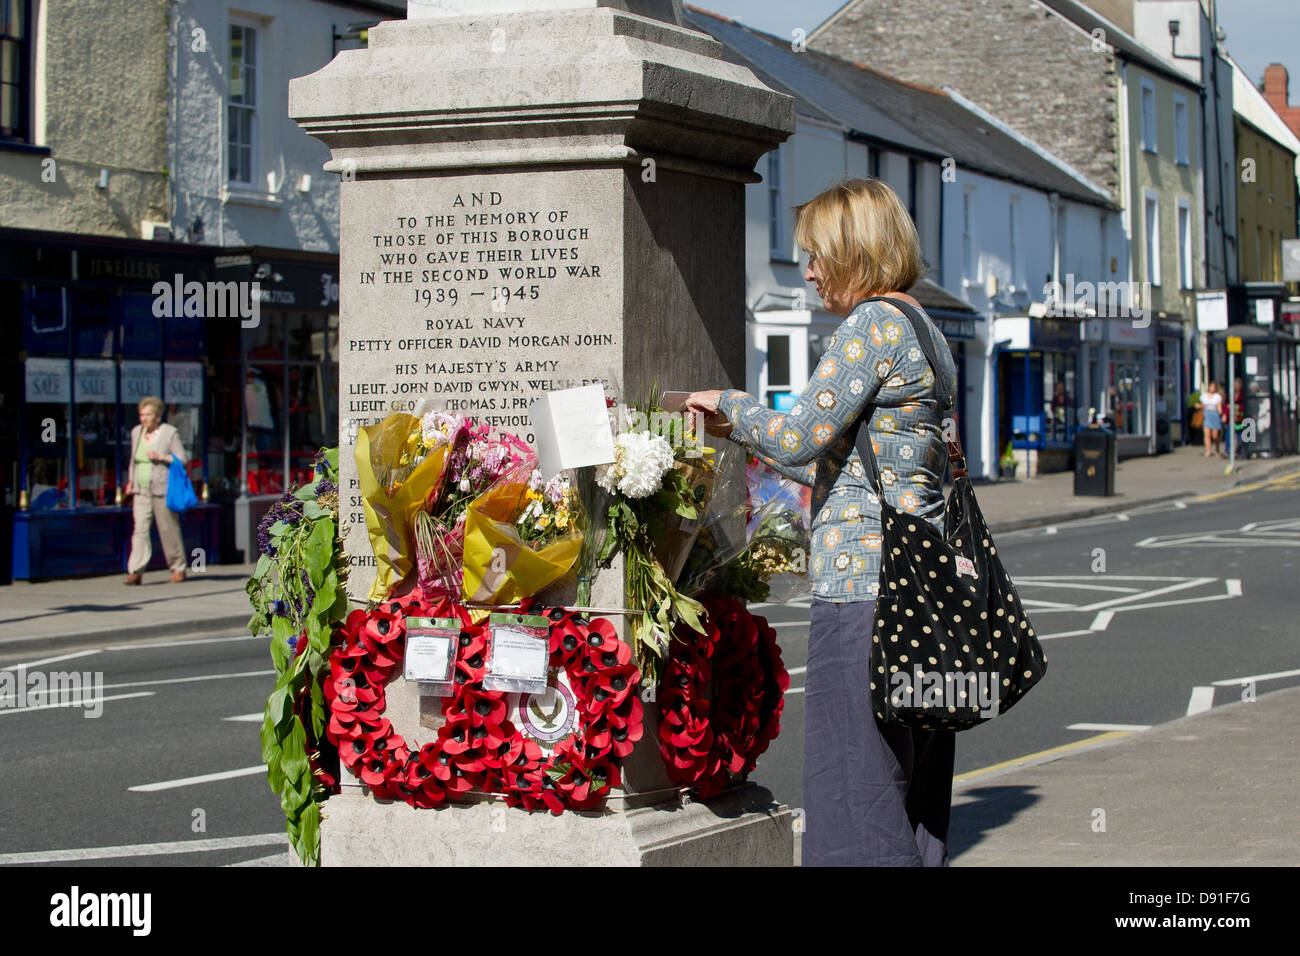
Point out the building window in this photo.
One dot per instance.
(776, 207)
(967, 242)
(913, 175)
(1148, 116)
(15, 70)
(241, 111)
(1184, 244)
(1151, 235)
(1013, 217)
(1182, 150)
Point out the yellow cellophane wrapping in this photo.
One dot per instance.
(500, 567)
(390, 518)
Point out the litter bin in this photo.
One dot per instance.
(1094, 461)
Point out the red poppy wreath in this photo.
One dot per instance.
(480, 747)
(721, 698)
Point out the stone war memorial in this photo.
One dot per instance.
(538, 197)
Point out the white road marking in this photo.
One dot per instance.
(187, 680)
(206, 640)
(47, 660)
(1181, 585)
(1121, 517)
(1105, 727)
(79, 702)
(1234, 587)
(250, 718)
(1048, 637)
(1202, 699)
(776, 624)
(1031, 603)
(203, 778)
(1233, 681)
(1180, 505)
(1101, 621)
(143, 849)
(795, 690)
(796, 670)
(1050, 529)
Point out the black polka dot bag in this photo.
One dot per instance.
(951, 646)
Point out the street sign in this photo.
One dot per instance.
(1291, 260)
(1211, 311)
(1234, 344)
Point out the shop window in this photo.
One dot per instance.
(1126, 395)
(45, 323)
(95, 397)
(264, 418)
(141, 329)
(46, 430)
(307, 337)
(93, 324)
(313, 416)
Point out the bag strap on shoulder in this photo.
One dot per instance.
(956, 456)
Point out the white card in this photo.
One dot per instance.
(428, 658)
(571, 428)
(518, 655)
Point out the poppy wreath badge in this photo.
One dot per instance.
(560, 750)
(721, 698)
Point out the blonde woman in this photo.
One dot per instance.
(1212, 403)
(874, 794)
(153, 443)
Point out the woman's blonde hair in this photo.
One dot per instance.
(154, 402)
(863, 237)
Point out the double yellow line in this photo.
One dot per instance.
(1040, 756)
(1286, 482)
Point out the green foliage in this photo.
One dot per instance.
(297, 592)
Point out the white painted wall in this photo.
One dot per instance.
(294, 37)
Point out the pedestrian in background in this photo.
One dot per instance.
(1212, 405)
(153, 443)
(1238, 415)
(874, 793)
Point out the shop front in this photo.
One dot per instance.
(1038, 390)
(275, 386)
(253, 392)
(90, 345)
(1122, 381)
(1267, 369)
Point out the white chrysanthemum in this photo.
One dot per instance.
(640, 462)
(645, 459)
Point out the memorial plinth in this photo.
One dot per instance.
(532, 200)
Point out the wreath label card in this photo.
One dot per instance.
(519, 653)
(431, 652)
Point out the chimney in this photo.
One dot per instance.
(1275, 87)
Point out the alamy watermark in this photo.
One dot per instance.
(945, 691)
(1106, 300)
(20, 690)
(213, 300)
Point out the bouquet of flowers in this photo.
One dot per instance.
(475, 463)
(398, 469)
(521, 535)
(757, 551)
(654, 487)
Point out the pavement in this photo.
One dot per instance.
(1193, 791)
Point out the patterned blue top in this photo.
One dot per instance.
(873, 357)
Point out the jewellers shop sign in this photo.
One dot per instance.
(283, 283)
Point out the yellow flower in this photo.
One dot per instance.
(543, 521)
(561, 520)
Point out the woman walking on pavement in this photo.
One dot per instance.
(153, 443)
(874, 794)
(1212, 402)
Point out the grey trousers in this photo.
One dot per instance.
(147, 509)
(874, 794)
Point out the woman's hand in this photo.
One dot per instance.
(159, 457)
(706, 404)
